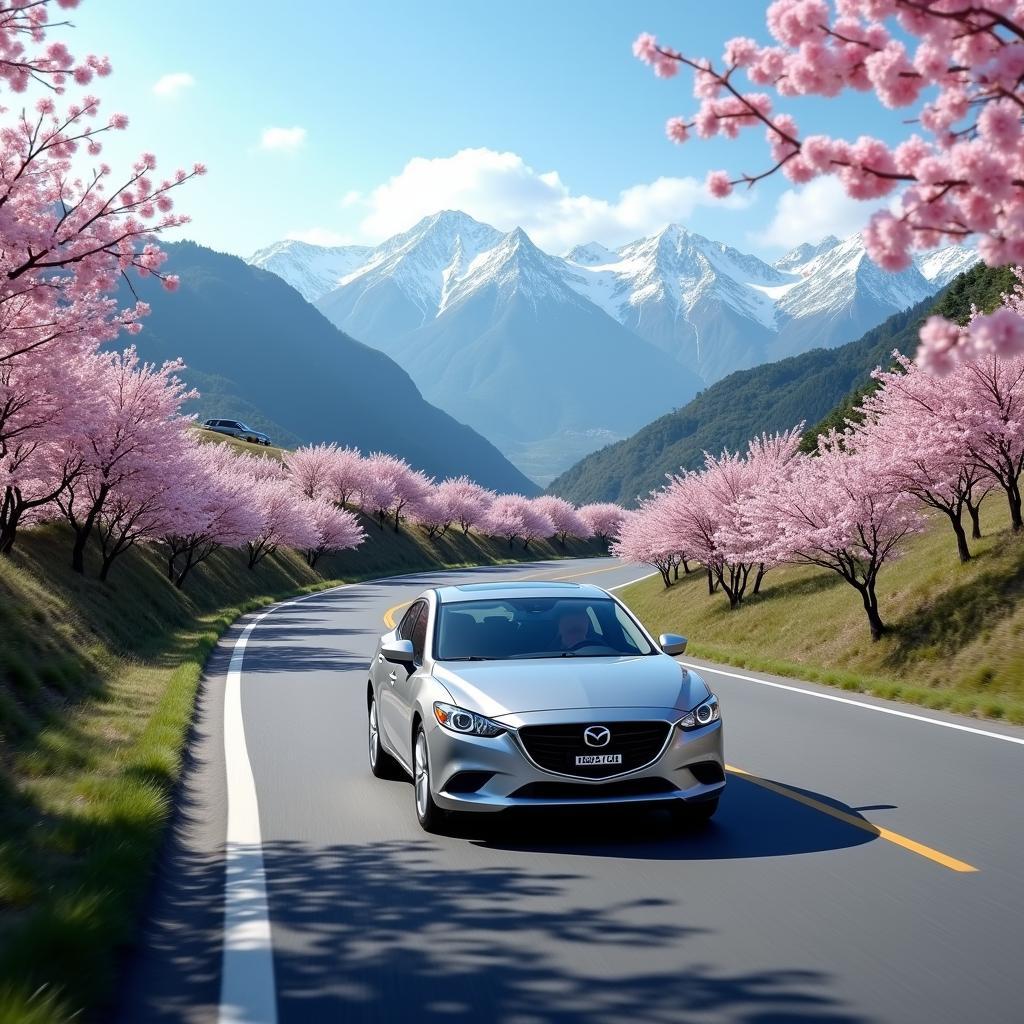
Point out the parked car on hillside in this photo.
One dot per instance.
(236, 428)
(493, 696)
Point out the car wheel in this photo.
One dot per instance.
(429, 815)
(693, 815)
(382, 764)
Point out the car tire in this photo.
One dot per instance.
(687, 815)
(428, 814)
(382, 764)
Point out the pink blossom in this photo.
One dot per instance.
(677, 129)
(718, 184)
(887, 239)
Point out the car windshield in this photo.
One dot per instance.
(528, 627)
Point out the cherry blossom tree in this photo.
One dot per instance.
(702, 513)
(565, 518)
(467, 501)
(137, 422)
(434, 513)
(995, 416)
(513, 517)
(218, 511)
(641, 538)
(66, 241)
(537, 524)
(957, 67)
(45, 404)
(919, 426)
(336, 530)
(603, 518)
(347, 475)
(391, 486)
(285, 519)
(839, 510)
(311, 468)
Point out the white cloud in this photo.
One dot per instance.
(503, 190)
(170, 85)
(283, 138)
(321, 236)
(819, 208)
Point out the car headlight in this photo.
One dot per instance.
(703, 714)
(466, 722)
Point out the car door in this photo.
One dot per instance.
(408, 683)
(389, 694)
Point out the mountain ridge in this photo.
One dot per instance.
(262, 343)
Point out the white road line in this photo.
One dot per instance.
(631, 582)
(247, 990)
(858, 704)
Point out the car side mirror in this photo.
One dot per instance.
(398, 651)
(672, 643)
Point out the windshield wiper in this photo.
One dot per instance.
(471, 657)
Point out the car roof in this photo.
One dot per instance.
(499, 591)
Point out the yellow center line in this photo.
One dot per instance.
(876, 830)
(389, 615)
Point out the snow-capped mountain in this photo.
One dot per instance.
(492, 328)
(512, 347)
(312, 270)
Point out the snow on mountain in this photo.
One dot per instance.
(589, 254)
(406, 281)
(452, 292)
(803, 254)
(312, 270)
(940, 266)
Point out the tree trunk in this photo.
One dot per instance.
(108, 561)
(761, 570)
(975, 513)
(870, 599)
(664, 570)
(686, 567)
(675, 570)
(84, 529)
(1014, 501)
(962, 550)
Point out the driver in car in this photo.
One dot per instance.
(573, 628)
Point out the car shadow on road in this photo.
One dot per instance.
(392, 932)
(751, 822)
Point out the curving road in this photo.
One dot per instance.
(865, 864)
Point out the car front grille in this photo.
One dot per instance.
(556, 747)
(590, 791)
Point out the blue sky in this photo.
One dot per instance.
(531, 114)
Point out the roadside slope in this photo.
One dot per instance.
(955, 639)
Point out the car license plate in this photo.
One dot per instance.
(599, 759)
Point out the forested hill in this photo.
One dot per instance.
(774, 396)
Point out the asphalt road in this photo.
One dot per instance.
(863, 866)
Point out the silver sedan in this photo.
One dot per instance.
(493, 696)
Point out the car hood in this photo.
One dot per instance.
(496, 688)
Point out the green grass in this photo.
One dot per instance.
(97, 686)
(956, 632)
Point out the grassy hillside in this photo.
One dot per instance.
(97, 683)
(771, 397)
(956, 636)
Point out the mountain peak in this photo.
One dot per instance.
(803, 254)
(591, 254)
